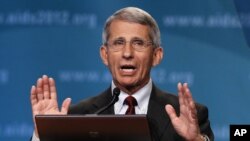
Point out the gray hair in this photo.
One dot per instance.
(134, 15)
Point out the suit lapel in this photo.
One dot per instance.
(157, 116)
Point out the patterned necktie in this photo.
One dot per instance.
(131, 102)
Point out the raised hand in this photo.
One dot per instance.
(43, 99)
(186, 124)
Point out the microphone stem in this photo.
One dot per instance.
(113, 101)
(115, 98)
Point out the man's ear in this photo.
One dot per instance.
(104, 54)
(157, 56)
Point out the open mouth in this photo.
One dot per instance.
(128, 68)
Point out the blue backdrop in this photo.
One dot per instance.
(206, 43)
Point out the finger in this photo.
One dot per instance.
(171, 112)
(193, 110)
(39, 88)
(180, 93)
(65, 105)
(52, 87)
(34, 100)
(46, 91)
(191, 103)
(186, 91)
(33, 95)
(188, 96)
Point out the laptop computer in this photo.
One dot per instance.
(93, 128)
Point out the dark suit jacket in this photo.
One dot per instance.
(159, 122)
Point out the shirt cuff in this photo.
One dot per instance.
(205, 138)
(34, 137)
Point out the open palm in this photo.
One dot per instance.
(186, 124)
(43, 99)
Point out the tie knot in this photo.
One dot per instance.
(130, 101)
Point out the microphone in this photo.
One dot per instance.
(115, 98)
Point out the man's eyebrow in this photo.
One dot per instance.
(133, 38)
(119, 38)
(137, 38)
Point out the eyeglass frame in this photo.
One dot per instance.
(132, 43)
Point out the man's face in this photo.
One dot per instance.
(129, 67)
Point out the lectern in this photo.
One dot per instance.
(93, 128)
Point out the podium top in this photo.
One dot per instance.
(93, 128)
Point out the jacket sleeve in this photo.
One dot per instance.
(204, 123)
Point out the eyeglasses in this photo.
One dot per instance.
(137, 44)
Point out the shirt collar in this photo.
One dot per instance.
(142, 96)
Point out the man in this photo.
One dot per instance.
(131, 47)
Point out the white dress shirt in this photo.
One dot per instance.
(142, 97)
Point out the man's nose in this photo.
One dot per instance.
(128, 50)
